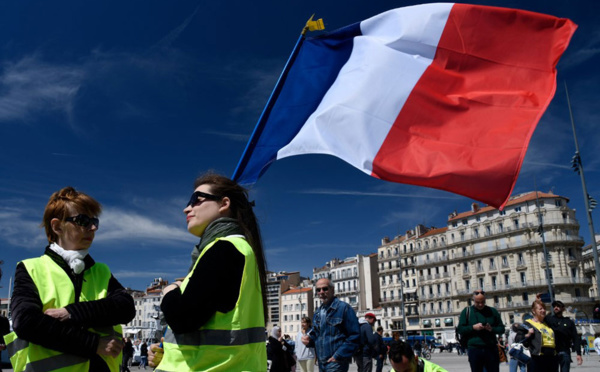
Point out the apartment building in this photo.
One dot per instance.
(146, 323)
(278, 283)
(354, 279)
(430, 273)
(589, 267)
(296, 303)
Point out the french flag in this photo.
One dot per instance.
(438, 95)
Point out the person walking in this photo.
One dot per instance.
(368, 344)
(67, 308)
(143, 355)
(127, 354)
(380, 349)
(480, 324)
(335, 333)
(514, 365)
(538, 337)
(597, 344)
(565, 334)
(216, 315)
(305, 356)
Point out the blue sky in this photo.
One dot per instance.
(129, 101)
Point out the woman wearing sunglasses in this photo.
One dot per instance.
(67, 308)
(216, 315)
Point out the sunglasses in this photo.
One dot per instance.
(194, 199)
(479, 292)
(322, 289)
(84, 220)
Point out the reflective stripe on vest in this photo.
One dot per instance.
(232, 341)
(56, 290)
(55, 362)
(217, 337)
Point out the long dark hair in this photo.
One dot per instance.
(241, 210)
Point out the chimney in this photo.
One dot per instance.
(385, 240)
(474, 207)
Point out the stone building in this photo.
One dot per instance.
(354, 279)
(501, 252)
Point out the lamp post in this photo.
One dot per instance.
(404, 333)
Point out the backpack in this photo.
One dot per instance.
(463, 340)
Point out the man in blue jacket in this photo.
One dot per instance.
(335, 334)
(368, 344)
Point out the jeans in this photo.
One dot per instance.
(514, 366)
(380, 360)
(484, 357)
(143, 362)
(564, 361)
(339, 366)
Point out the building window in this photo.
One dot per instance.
(464, 222)
(507, 279)
(517, 209)
(500, 227)
(523, 279)
(454, 224)
(502, 213)
(516, 223)
(558, 202)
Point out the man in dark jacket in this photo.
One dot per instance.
(480, 324)
(368, 344)
(565, 334)
(381, 349)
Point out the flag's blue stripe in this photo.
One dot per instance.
(309, 78)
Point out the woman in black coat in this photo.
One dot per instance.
(279, 352)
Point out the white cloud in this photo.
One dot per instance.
(31, 86)
(124, 225)
(18, 228)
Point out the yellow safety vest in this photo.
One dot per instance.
(56, 291)
(232, 341)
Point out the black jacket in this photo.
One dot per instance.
(565, 333)
(281, 359)
(71, 336)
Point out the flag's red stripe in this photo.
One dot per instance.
(467, 123)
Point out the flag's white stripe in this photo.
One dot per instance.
(361, 106)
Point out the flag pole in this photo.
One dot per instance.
(311, 25)
(578, 165)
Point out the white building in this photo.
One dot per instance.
(500, 252)
(295, 303)
(354, 279)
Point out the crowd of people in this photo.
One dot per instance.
(67, 308)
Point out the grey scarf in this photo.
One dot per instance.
(219, 228)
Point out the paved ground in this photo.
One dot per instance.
(455, 363)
